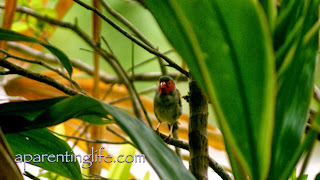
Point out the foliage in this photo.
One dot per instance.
(164, 161)
(251, 70)
(256, 63)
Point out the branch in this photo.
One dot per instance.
(127, 23)
(88, 69)
(132, 38)
(127, 97)
(212, 163)
(136, 101)
(41, 63)
(198, 140)
(92, 140)
(38, 77)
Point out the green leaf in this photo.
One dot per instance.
(304, 177)
(293, 98)
(13, 36)
(40, 142)
(270, 8)
(122, 170)
(21, 116)
(146, 176)
(16, 116)
(227, 46)
(165, 162)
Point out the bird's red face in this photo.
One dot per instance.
(166, 87)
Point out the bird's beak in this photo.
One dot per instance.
(163, 85)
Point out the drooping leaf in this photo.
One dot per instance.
(14, 36)
(20, 116)
(37, 145)
(294, 95)
(165, 162)
(229, 51)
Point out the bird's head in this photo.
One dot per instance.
(166, 85)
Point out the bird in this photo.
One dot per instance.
(167, 102)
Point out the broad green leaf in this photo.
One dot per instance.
(227, 46)
(20, 116)
(293, 98)
(165, 162)
(15, 117)
(14, 36)
(122, 170)
(39, 144)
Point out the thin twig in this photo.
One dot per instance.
(149, 60)
(31, 176)
(127, 23)
(120, 136)
(83, 132)
(117, 134)
(134, 39)
(92, 140)
(41, 63)
(88, 69)
(38, 77)
(212, 163)
(127, 97)
(136, 102)
(132, 61)
(108, 45)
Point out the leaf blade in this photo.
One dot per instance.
(14, 36)
(234, 67)
(49, 144)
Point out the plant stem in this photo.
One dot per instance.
(212, 163)
(198, 140)
(38, 77)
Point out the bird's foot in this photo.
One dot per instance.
(170, 134)
(157, 130)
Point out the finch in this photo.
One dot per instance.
(167, 102)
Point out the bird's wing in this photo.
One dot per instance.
(179, 97)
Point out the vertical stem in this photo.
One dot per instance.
(198, 140)
(95, 131)
(10, 8)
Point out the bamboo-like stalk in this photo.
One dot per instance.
(96, 132)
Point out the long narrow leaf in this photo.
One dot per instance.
(227, 46)
(14, 36)
(165, 162)
(293, 98)
(37, 145)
